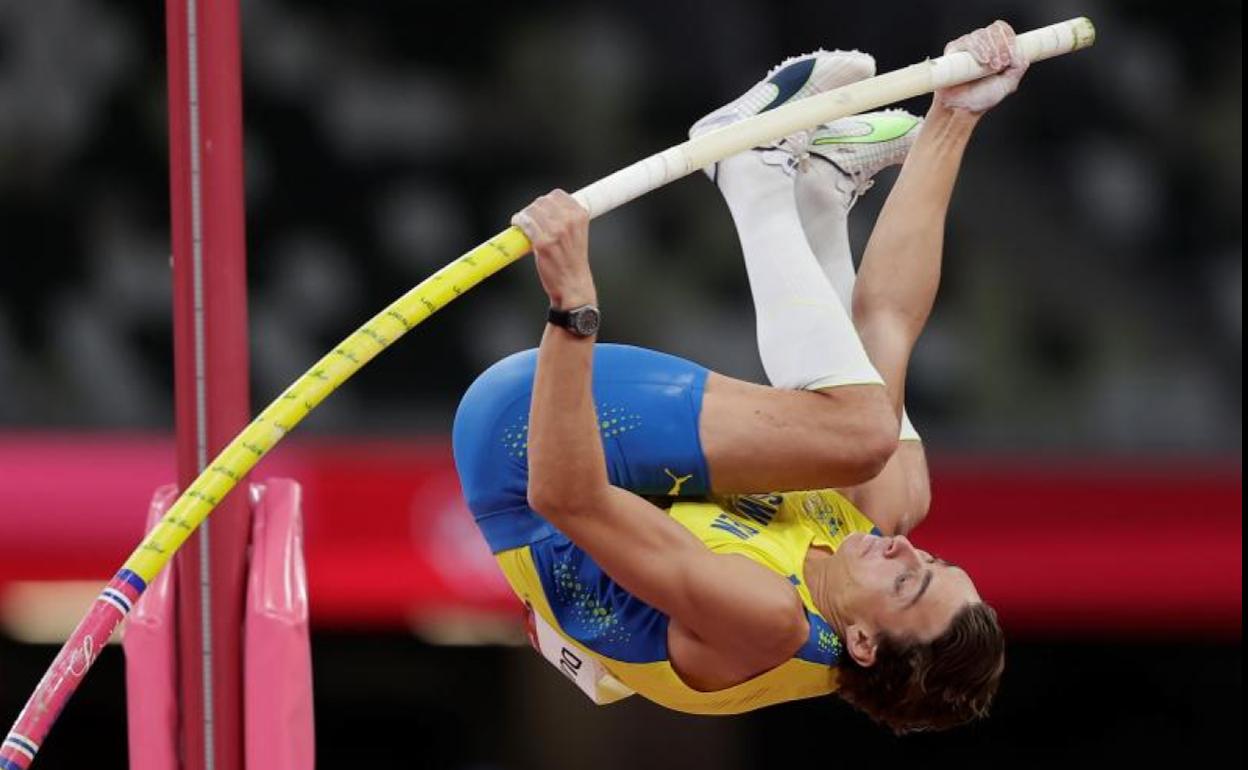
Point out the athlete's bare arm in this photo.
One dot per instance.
(900, 269)
(729, 607)
(893, 298)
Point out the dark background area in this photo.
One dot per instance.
(1091, 309)
(1092, 298)
(385, 701)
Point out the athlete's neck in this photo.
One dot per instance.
(823, 579)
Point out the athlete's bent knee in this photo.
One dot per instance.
(861, 418)
(875, 434)
(877, 445)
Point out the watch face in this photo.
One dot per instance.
(585, 321)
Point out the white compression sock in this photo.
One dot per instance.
(824, 197)
(805, 336)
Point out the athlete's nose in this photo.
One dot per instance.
(899, 547)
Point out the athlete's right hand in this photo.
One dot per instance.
(558, 228)
(995, 47)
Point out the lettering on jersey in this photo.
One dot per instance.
(733, 527)
(760, 509)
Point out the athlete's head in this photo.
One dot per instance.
(924, 651)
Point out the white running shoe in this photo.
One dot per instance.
(861, 146)
(795, 78)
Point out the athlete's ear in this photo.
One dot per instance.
(861, 644)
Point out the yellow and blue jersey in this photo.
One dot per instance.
(648, 404)
(563, 585)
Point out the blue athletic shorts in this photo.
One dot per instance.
(648, 406)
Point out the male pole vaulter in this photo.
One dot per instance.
(737, 596)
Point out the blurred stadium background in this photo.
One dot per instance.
(1079, 386)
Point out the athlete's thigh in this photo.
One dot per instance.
(757, 438)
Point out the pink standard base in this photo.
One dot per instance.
(277, 652)
(277, 660)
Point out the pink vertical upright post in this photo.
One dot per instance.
(210, 360)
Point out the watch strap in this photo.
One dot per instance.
(559, 317)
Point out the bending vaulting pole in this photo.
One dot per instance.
(279, 417)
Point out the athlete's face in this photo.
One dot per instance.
(890, 586)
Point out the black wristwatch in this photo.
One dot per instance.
(582, 321)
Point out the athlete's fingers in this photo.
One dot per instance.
(547, 214)
(524, 220)
(957, 44)
(568, 218)
(566, 208)
(989, 46)
(540, 210)
(554, 220)
(537, 222)
(972, 44)
(569, 204)
(551, 217)
(982, 41)
(1002, 39)
(1018, 62)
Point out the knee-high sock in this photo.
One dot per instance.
(806, 338)
(824, 197)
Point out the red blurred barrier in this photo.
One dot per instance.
(1062, 548)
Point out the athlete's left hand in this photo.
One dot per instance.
(994, 47)
(558, 228)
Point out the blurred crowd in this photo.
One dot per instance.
(1092, 299)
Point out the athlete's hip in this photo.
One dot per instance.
(648, 406)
